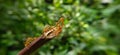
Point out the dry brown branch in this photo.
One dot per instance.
(34, 45)
(48, 34)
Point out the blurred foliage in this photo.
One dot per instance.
(91, 27)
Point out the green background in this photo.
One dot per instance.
(91, 27)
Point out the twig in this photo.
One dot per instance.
(34, 45)
(49, 33)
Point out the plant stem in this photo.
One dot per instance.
(34, 45)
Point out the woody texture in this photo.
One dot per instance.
(49, 33)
